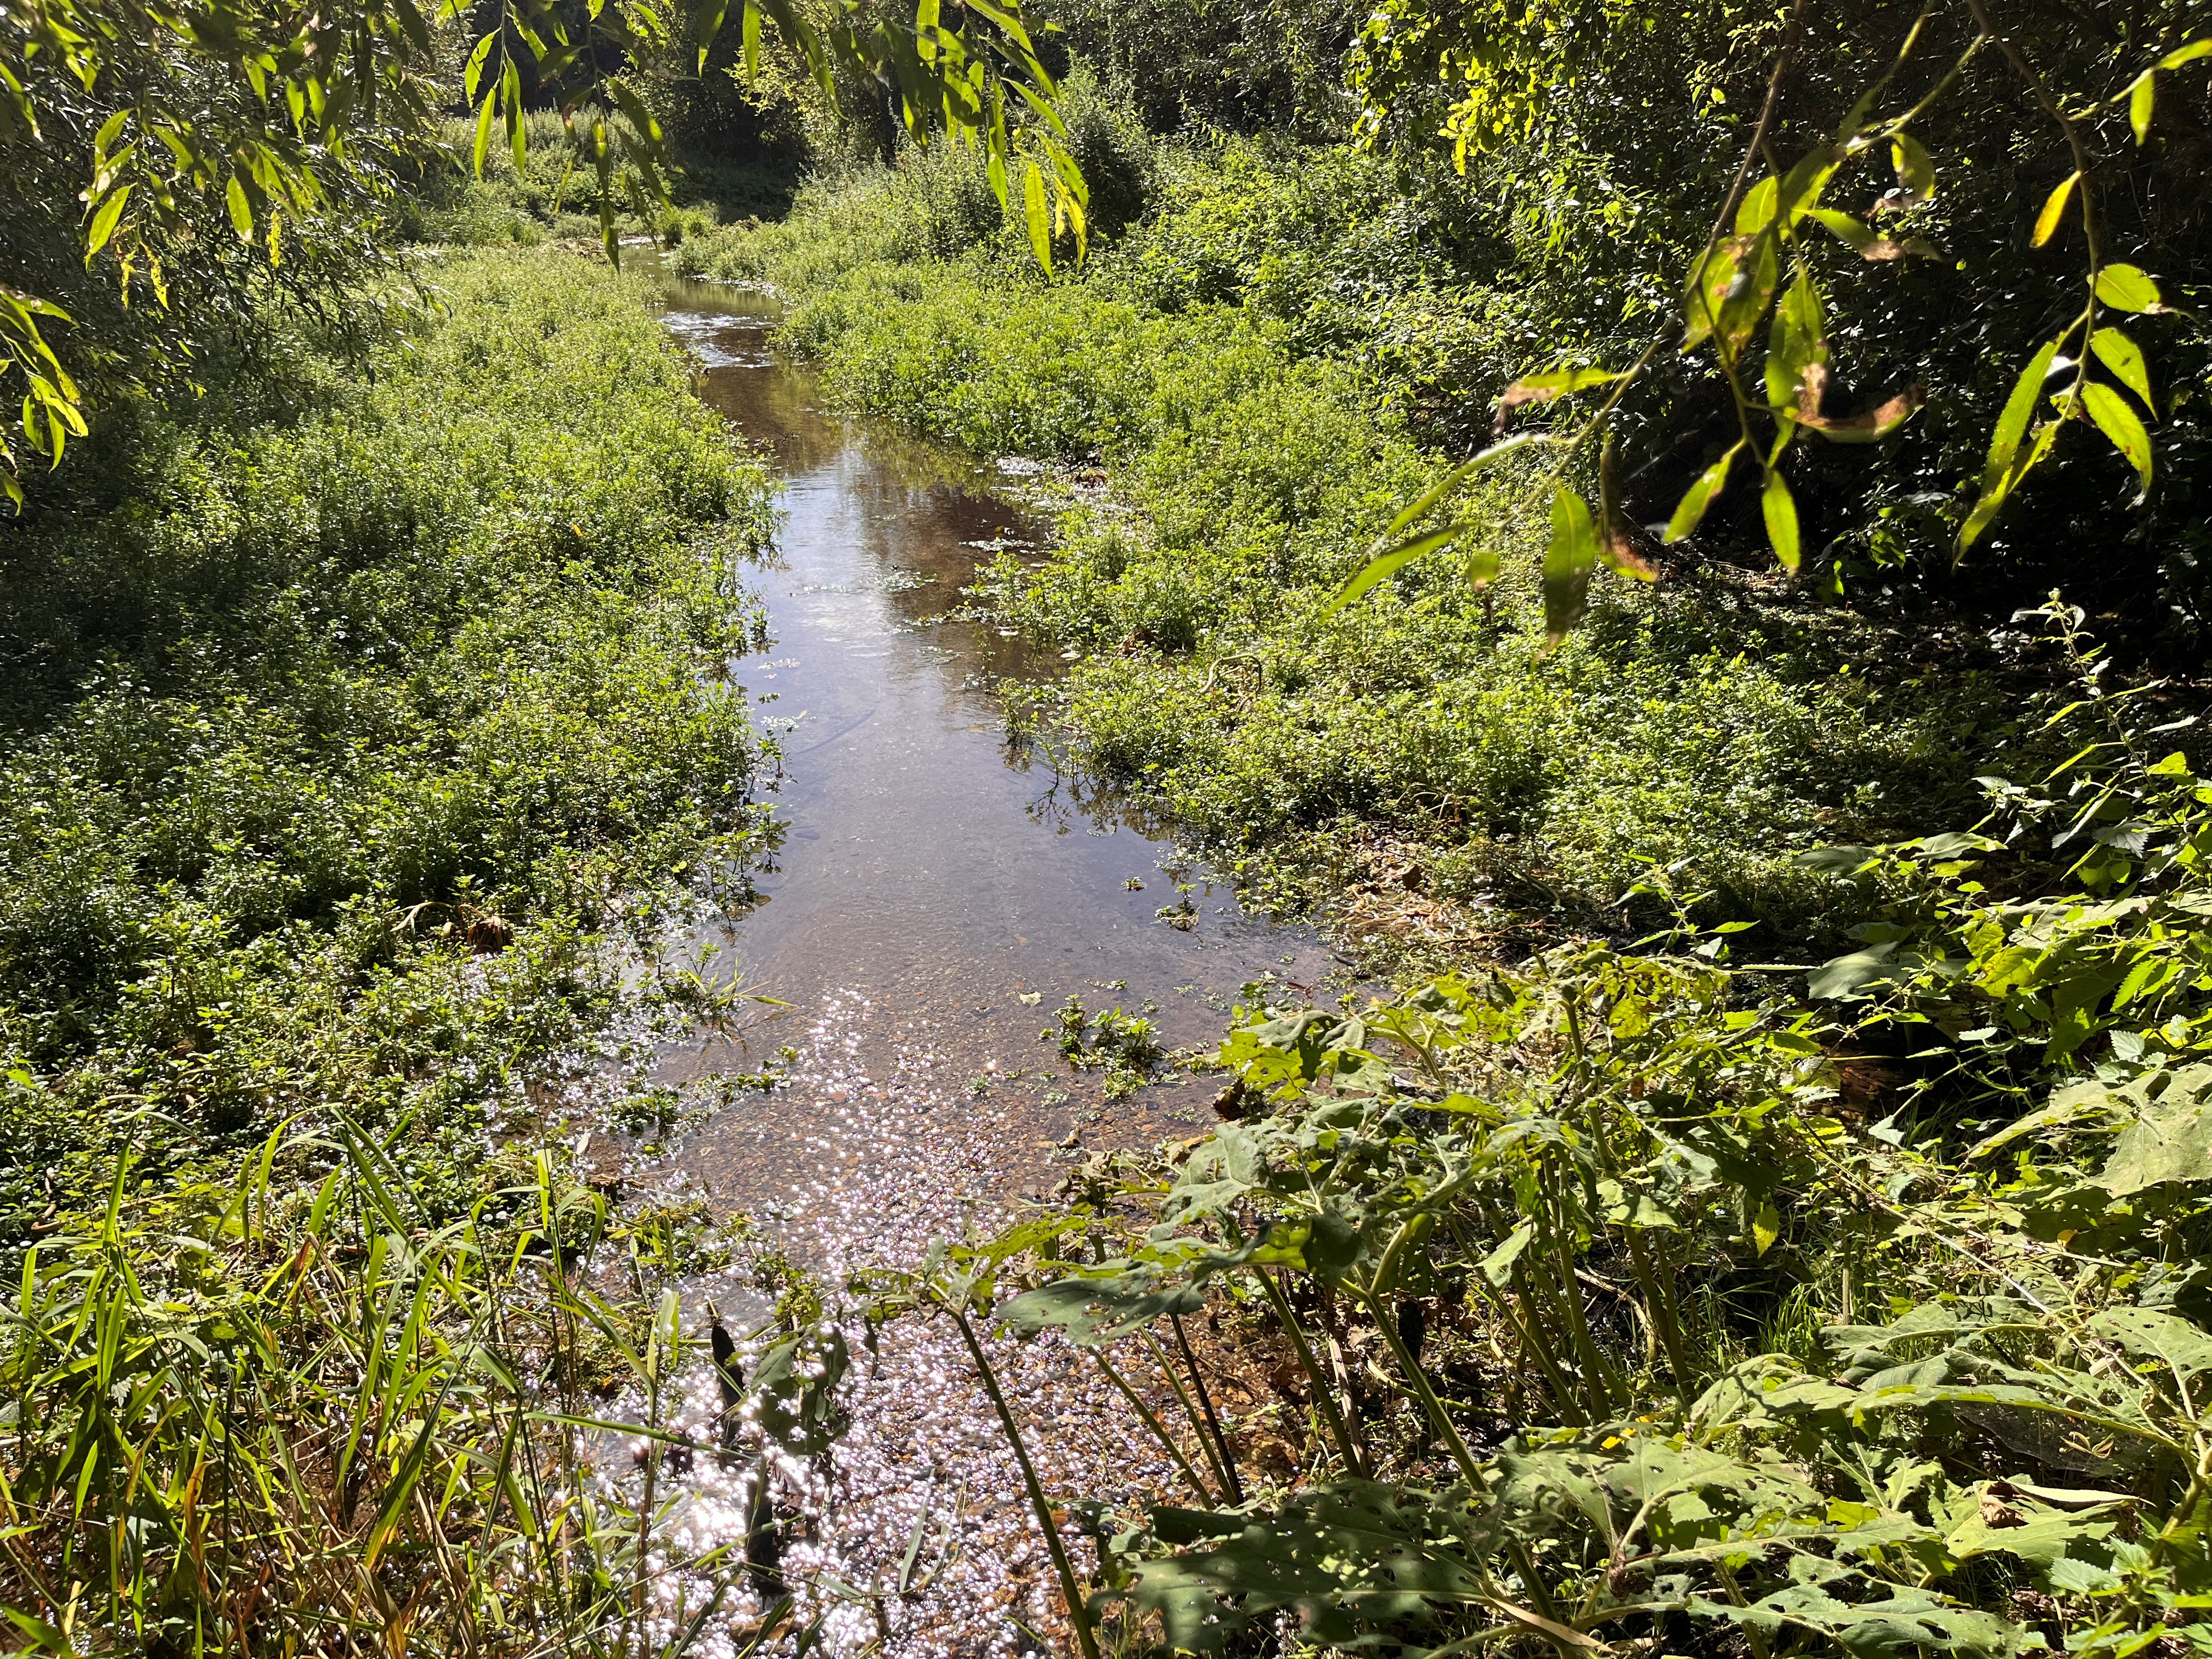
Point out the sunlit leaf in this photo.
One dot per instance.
(1033, 205)
(1867, 242)
(1916, 169)
(2126, 287)
(1569, 562)
(241, 211)
(1796, 345)
(1690, 513)
(1388, 564)
(2124, 358)
(2054, 210)
(2143, 93)
(104, 221)
(1998, 473)
(2116, 419)
(1779, 508)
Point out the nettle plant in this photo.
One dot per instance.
(1753, 307)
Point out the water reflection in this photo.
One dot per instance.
(931, 867)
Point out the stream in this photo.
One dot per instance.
(940, 889)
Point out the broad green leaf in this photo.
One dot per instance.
(1690, 512)
(1348, 1557)
(482, 147)
(2116, 419)
(2054, 210)
(2143, 93)
(2171, 1139)
(2173, 1343)
(1092, 1310)
(1902, 1623)
(1798, 343)
(1999, 473)
(1779, 508)
(1916, 169)
(749, 35)
(1388, 564)
(2126, 287)
(1497, 1266)
(2188, 54)
(2125, 359)
(241, 212)
(1846, 976)
(105, 219)
(1568, 562)
(1033, 206)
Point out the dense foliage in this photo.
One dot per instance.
(302, 707)
(1605, 1293)
(1623, 1299)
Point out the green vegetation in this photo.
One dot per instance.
(1596, 500)
(1257, 451)
(364, 735)
(337, 741)
(1607, 1292)
(1598, 1303)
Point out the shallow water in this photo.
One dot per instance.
(939, 892)
(958, 886)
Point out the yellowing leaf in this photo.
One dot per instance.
(1779, 510)
(1916, 169)
(2054, 210)
(1797, 344)
(1874, 424)
(1766, 1226)
(1554, 383)
(1033, 205)
(2116, 419)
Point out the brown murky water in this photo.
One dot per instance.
(956, 886)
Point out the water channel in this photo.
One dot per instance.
(939, 892)
(955, 886)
